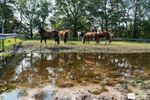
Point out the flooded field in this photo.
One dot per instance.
(74, 76)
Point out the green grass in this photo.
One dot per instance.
(129, 43)
(8, 43)
(79, 43)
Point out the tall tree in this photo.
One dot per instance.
(45, 8)
(71, 11)
(27, 13)
(6, 12)
(33, 13)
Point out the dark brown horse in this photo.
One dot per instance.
(89, 36)
(104, 34)
(64, 35)
(48, 34)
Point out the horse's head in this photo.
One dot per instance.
(41, 29)
(84, 39)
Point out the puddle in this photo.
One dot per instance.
(47, 73)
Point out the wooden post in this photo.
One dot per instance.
(0, 44)
(3, 49)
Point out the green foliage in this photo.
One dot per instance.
(70, 14)
(126, 18)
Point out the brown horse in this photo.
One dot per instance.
(104, 34)
(64, 35)
(89, 36)
(48, 34)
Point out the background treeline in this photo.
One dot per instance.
(125, 18)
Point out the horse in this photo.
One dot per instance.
(48, 34)
(64, 35)
(80, 35)
(104, 34)
(88, 36)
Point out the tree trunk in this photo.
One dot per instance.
(75, 31)
(75, 28)
(105, 14)
(135, 28)
(31, 33)
(102, 25)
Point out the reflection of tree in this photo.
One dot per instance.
(38, 67)
(4, 61)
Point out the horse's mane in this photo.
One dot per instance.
(41, 30)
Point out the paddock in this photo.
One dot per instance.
(6, 36)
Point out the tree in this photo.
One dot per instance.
(6, 13)
(45, 8)
(33, 13)
(71, 13)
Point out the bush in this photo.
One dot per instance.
(144, 35)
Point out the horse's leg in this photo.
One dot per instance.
(45, 42)
(41, 42)
(64, 39)
(83, 40)
(106, 42)
(97, 41)
(57, 41)
(88, 40)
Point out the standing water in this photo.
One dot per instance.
(45, 76)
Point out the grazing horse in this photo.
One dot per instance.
(64, 35)
(104, 34)
(80, 35)
(88, 36)
(48, 34)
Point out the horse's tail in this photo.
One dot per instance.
(65, 37)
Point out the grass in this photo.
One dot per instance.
(8, 43)
(79, 43)
(129, 44)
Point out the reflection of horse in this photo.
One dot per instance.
(64, 35)
(51, 34)
(80, 35)
(103, 34)
(88, 36)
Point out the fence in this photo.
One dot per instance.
(6, 36)
(132, 39)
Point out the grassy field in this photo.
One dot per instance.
(79, 43)
(8, 43)
(115, 45)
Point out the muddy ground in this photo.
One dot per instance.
(83, 48)
(83, 92)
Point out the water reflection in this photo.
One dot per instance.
(35, 69)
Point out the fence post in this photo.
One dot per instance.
(0, 44)
(3, 49)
